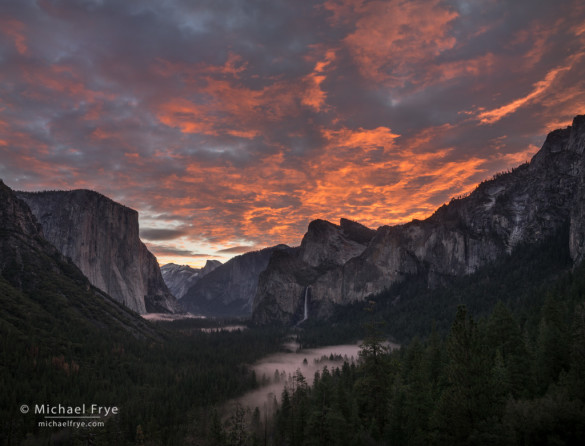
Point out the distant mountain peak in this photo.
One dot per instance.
(229, 289)
(179, 278)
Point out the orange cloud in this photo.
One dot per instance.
(189, 117)
(313, 96)
(366, 175)
(370, 175)
(537, 39)
(540, 87)
(341, 10)
(224, 106)
(15, 30)
(63, 79)
(483, 64)
(233, 66)
(305, 157)
(392, 37)
(515, 159)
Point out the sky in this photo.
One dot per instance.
(231, 124)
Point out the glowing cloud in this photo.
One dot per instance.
(391, 38)
(491, 116)
(231, 125)
(14, 29)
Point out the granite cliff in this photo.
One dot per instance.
(101, 238)
(179, 278)
(40, 288)
(524, 206)
(230, 288)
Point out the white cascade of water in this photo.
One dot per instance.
(306, 310)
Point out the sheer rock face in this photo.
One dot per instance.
(28, 262)
(317, 263)
(523, 206)
(179, 278)
(101, 237)
(576, 141)
(229, 289)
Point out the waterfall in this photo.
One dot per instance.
(306, 316)
(306, 310)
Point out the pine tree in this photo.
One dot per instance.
(216, 434)
(468, 397)
(503, 335)
(552, 350)
(577, 370)
(372, 386)
(238, 433)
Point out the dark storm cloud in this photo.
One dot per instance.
(162, 234)
(244, 120)
(163, 250)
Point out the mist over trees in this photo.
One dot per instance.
(491, 381)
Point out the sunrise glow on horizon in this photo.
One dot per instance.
(229, 126)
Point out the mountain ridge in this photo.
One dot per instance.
(230, 288)
(525, 205)
(179, 278)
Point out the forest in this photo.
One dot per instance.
(497, 357)
(508, 377)
(488, 382)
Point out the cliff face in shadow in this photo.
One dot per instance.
(318, 264)
(230, 288)
(101, 237)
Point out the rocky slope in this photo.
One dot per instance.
(179, 278)
(42, 291)
(101, 237)
(526, 205)
(229, 289)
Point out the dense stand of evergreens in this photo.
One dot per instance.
(164, 379)
(500, 380)
(497, 357)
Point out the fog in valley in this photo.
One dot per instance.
(167, 317)
(276, 371)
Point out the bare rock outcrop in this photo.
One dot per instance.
(317, 263)
(101, 237)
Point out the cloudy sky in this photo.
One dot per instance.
(231, 124)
